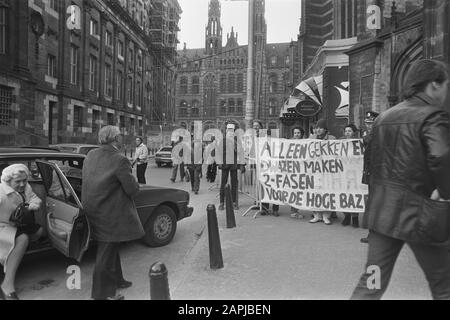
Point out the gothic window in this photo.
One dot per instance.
(183, 108)
(195, 85)
(223, 107)
(240, 83)
(239, 106)
(183, 85)
(348, 18)
(231, 83)
(231, 106)
(273, 60)
(195, 111)
(273, 83)
(272, 107)
(223, 83)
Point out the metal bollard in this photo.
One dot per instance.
(231, 220)
(159, 284)
(215, 251)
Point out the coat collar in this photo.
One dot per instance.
(426, 98)
(110, 147)
(6, 189)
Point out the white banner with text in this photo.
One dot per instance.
(312, 174)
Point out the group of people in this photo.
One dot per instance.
(407, 158)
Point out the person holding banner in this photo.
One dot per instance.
(297, 134)
(257, 126)
(322, 134)
(350, 131)
(410, 184)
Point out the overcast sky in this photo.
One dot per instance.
(282, 18)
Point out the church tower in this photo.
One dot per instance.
(213, 34)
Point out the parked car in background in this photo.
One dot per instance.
(80, 148)
(164, 156)
(56, 179)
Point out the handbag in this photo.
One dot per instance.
(22, 217)
(433, 221)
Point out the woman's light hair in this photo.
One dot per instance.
(14, 171)
(108, 134)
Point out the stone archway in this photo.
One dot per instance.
(401, 67)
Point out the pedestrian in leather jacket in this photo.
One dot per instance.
(409, 160)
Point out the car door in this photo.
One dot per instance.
(66, 225)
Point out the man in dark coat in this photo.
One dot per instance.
(410, 163)
(107, 198)
(230, 164)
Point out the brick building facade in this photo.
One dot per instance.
(212, 81)
(61, 84)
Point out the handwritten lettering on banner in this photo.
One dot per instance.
(312, 174)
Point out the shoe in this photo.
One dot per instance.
(297, 216)
(315, 220)
(275, 213)
(346, 220)
(196, 192)
(116, 297)
(327, 221)
(173, 180)
(235, 206)
(221, 207)
(364, 240)
(11, 296)
(124, 284)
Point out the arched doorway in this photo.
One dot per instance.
(401, 67)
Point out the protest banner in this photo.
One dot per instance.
(312, 174)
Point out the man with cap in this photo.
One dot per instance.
(322, 134)
(367, 137)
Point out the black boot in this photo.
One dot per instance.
(346, 220)
(355, 222)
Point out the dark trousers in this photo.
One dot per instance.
(211, 172)
(175, 170)
(140, 172)
(233, 173)
(383, 252)
(194, 172)
(107, 270)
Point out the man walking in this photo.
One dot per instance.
(107, 197)
(410, 160)
(229, 164)
(140, 158)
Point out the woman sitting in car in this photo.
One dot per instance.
(14, 190)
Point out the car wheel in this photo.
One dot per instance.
(161, 226)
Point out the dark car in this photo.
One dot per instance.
(164, 156)
(56, 179)
(81, 148)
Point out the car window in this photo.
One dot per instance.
(68, 149)
(85, 150)
(31, 165)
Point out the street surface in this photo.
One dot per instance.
(264, 258)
